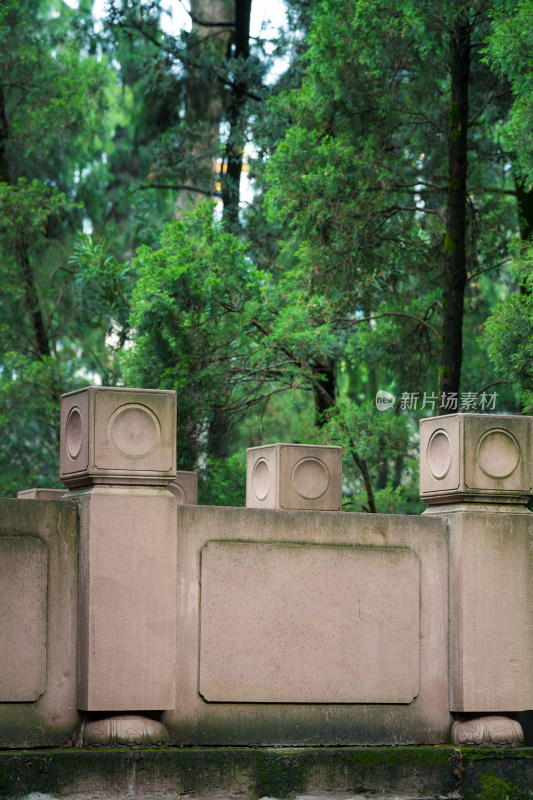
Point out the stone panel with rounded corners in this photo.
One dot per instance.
(38, 622)
(497, 453)
(288, 623)
(23, 582)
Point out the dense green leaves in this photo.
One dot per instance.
(283, 319)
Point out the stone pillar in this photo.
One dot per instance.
(117, 456)
(476, 470)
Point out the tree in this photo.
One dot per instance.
(509, 328)
(212, 75)
(51, 99)
(390, 186)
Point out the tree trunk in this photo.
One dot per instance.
(455, 238)
(22, 250)
(213, 23)
(218, 439)
(234, 150)
(325, 390)
(524, 200)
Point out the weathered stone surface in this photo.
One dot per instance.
(41, 494)
(126, 730)
(118, 436)
(195, 719)
(50, 532)
(23, 579)
(184, 487)
(487, 731)
(491, 644)
(241, 774)
(476, 458)
(293, 623)
(294, 476)
(127, 599)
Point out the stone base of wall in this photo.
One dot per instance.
(241, 773)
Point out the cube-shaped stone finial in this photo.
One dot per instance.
(294, 476)
(475, 458)
(118, 436)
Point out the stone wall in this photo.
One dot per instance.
(127, 618)
(38, 622)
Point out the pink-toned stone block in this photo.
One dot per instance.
(269, 602)
(294, 476)
(38, 623)
(491, 644)
(284, 623)
(118, 436)
(23, 585)
(476, 458)
(184, 487)
(127, 600)
(41, 494)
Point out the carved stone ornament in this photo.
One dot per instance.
(294, 476)
(184, 487)
(488, 731)
(483, 458)
(118, 436)
(128, 730)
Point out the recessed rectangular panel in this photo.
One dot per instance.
(23, 579)
(74, 442)
(497, 453)
(127, 634)
(134, 430)
(310, 477)
(286, 623)
(262, 476)
(440, 469)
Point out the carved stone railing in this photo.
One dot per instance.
(286, 622)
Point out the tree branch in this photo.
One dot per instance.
(180, 188)
(487, 269)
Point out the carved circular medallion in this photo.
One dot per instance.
(310, 478)
(261, 479)
(134, 430)
(74, 433)
(498, 454)
(439, 454)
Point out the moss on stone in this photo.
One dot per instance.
(493, 788)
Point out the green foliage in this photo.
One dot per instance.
(508, 332)
(223, 481)
(188, 312)
(26, 209)
(29, 418)
(283, 322)
(510, 52)
(52, 101)
(102, 284)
